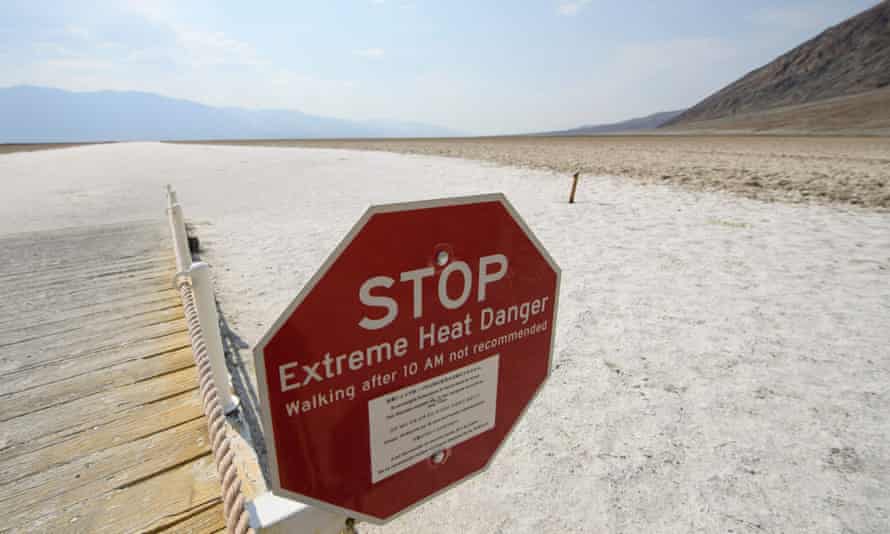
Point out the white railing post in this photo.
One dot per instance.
(180, 237)
(205, 305)
(171, 196)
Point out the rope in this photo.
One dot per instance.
(233, 500)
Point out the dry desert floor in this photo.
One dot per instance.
(844, 170)
(10, 148)
(721, 363)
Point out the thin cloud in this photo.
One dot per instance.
(570, 9)
(213, 48)
(370, 53)
(78, 32)
(192, 45)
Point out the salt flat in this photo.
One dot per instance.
(790, 168)
(720, 363)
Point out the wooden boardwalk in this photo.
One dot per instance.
(101, 428)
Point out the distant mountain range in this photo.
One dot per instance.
(31, 114)
(838, 80)
(649, 122)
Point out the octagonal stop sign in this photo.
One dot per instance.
(402, 366)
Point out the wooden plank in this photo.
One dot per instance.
(61, 447)
(126, 317)
(209, 519)
(81, 386)
(97, 267)
(9, 276)
(35, 251)
(100, 291)
(91, 232)
(94, 324)
(56, 315)
(33, 354)
(187, 495)
(91, 477)
(101, 428)
(88, 303)
(45, 258)
(109, 468)
(108, 276)
(85, 413)
(102, 360)
(82, 269)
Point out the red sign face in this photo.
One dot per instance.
(404, 363)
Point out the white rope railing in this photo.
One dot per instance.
(233, 499)
(266, 512)
(203, 327)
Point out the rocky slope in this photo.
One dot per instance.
(850, 58)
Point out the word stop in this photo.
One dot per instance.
(491, 269)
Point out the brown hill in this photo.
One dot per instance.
(848, 59)
(860, 114)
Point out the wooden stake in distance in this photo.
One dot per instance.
(574, 187)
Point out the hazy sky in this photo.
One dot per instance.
(477, 66)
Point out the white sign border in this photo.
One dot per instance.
(260, 364)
